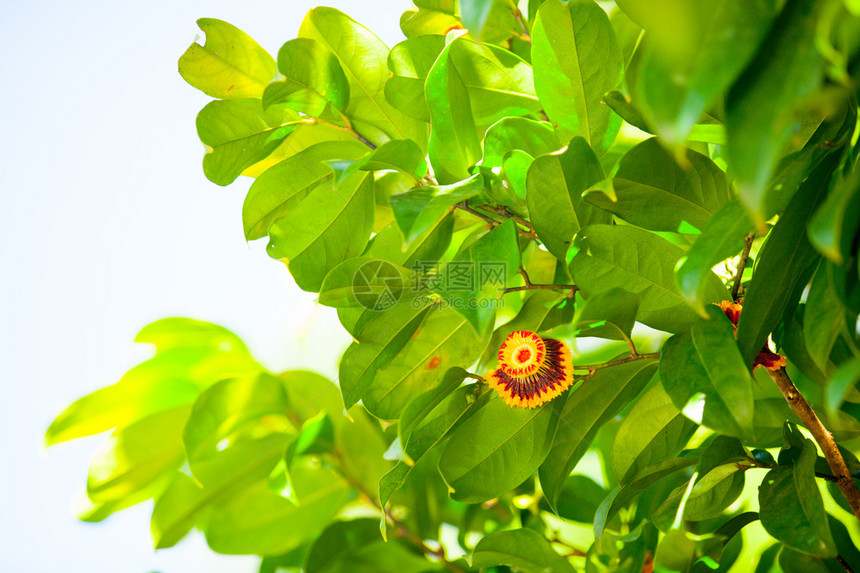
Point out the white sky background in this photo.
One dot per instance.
(108, 223)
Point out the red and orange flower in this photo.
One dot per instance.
(531, 370)
(766, 357)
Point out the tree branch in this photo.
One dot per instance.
(529, 285)
(823, 437)
(736, 287)
(592, 368)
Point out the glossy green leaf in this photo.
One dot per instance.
(706, 360)
(840, 385)
(791, 508)
(356, 546)
(533, 137)
(642, 263)
(260, 521)
(218, 477)
(312, 80)
(722, 237)
(454, 144)
(136, 456)
(609, 314)
(690, 55)
(420, 208)
(554, 195)
(579, 499)
(180, 332)
(475, 279)
(834, 225)
(781, 263)
(381, 339)
(652, 431)
(496, 449)
(524, 549)
(231, 407)
(588, 407)
(363, 58)
(761, 106)
(276, 191)
(172, 378)
(230, 65)
(323, 229)
(824, 317)
(410, 62)
(652, 191)
(474, 14)
(576, 60)
(366, 282)
(423, 405)
(445, 339)
(238, 134)
(401, 154)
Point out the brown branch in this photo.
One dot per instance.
(489, 220)
(344, 128)
(525, 36)
(529, 285)
(823, 437)
(592, 368)
(844, 564)
(736, 287)
(404, 532)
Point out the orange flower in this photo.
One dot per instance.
(766, 357)
(531, 370)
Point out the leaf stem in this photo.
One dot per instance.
(844, 564)
(822, 436)
(529, 285)
(489, 220)
(736, 287)
(592, 368)
(346, 129)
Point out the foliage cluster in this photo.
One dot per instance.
(625, 164)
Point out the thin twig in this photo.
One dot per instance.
(489, 220)
(822, 436)
(844, 564)
(736, 287)
(526, 37)
(529, 285)
(346, 129)
(592, 368)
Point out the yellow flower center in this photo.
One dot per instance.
(522, 354)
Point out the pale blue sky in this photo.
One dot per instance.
(107, 224)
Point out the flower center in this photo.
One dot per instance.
(522, 354)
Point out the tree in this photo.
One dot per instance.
(498, 188)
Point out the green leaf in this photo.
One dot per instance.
(840, 385)
(381, 339)
(824, 317)
(420, 208)
(178, 332)
(410, 62)
(722, 237)
(706, 360)
(610, 314)
(578, 500)
(576, 60)
(781, 263)
(172, 378)
(137, 455)
(325, 228)
(238, 134)
(761, 106)
(365, 282)
(653, 431)
(180, 506)
(363, 58)
(474, 280)
(791, 508)
(425, 433)
(230, 65)
(444, 340)
(835, 223)
(690, 56)
(554, 195)
(312, 80)
(233, 407)
(496, 449)
(400, 154)
(356, 546)
(524, 549)
(642, 263)
(474, 13)
(454, 144)
(588, 407)
(533, 137)
(260, 521)
(654, 192)
(281, 187)
(417, 410)
(622, 105)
